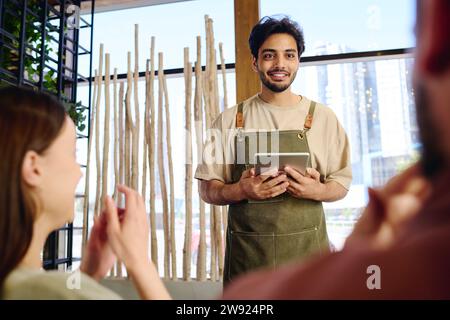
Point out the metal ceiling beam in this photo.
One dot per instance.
(112, 5)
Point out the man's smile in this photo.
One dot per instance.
(278, 75)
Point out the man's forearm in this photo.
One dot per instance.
(218, 193)
(332, 191)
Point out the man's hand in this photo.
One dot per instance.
(259, 187)
(306, 187)
(389, 209)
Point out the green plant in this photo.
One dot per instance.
(75, 111)
(9, 59)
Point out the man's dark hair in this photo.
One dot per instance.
(268, 26)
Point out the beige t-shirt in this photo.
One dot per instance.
(30, 284)
(327, 140)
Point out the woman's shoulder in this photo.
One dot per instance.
(53, 285)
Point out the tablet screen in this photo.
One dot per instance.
(270, 163)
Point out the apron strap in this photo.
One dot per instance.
(240, 116)
(310, 116)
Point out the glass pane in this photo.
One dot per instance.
(374, 102)
(62, 244)
(77, 243)
(115, 30)
(332, 27)
(78, 220)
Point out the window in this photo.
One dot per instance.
(115, 30)
(345, 26)
(374, 101)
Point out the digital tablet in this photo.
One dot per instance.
(271, 163)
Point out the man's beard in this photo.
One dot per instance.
(433, 159)
(275, 87)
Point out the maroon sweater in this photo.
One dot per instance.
(417, 266)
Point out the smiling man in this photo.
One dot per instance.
(279, 218)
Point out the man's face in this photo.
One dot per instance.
(277, 62)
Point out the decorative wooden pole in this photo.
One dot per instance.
(218, 212)
(206, 74)
(162, 176)
(188, 179)
(129, 124)
(224, 76)
(214, 98)
(198, 116)
(208, 86)
(106, 130)
(97, 133)
(171, 183)
(146, 128)
(121, 158)
(224, 220)
(225, 106)
(88, 164)
(121, 141)
(151, 153)
(116, 138)
(136, 126)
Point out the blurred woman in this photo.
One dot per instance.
(38, 178)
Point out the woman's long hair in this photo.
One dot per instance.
(28, 121)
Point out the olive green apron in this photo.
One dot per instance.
(271, 232)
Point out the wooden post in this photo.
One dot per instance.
(121, 158)
(213, 73)
(206, 75)
(121, 140)
(116, 138)
(151, 153)
(188, 178)
(128, 123)
(212, 234)
(88, 165)
(106, 130)
(224, 221)
(162, 176)
(136, 126)
(171, 182)
(219, 239)
(208, 88)
(246, 15)
(198, 116)
(145, 139)
(224, 76)
(214, 110)
(97, 133)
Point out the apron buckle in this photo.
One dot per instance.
(240, 135)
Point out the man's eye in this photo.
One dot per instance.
(291, 56)
(268, 56)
